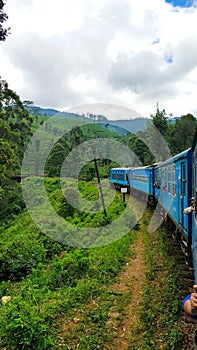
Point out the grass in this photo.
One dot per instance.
(48, 282)
(159, 308)
(161, 296)
(63, 298)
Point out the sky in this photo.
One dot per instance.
(131, 53)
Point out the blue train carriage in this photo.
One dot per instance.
(119, 177)
(173, 192)
(193, 215)
(141, 182)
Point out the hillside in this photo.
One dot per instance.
(121, 127)
(118, 126)
(96, 298)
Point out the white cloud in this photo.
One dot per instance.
(134, 53)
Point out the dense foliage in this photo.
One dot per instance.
(69, 141)
(47, 280)
(3, 17)
(15, 131)
(178, 137)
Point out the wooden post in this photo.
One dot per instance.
(100, 187)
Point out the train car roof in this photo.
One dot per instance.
(124, 168)
(143, 167)
(178, 156)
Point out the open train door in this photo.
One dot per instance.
(182, 194)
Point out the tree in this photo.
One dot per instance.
(3, 17)
(14, 118)
(157, 135)
(67, 209)
(160, 121)
(9, 163)
(76, 136)
(55, 160)
(140, 149)
(183, 133)
(15, 131)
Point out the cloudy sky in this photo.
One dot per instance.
(133, 53)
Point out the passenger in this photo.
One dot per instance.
(191, 208)
(156, 184)
(189, 305)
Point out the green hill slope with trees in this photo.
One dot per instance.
(15, 132)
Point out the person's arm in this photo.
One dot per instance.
(190, 303)
(188, 210)
(187, 306)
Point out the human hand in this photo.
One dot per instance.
(193, 298)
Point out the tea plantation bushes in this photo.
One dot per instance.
(22, 326)
(65, 271)
(30, 319)
(52, 247)
(19, 257)
(23, 247)
(47, 280)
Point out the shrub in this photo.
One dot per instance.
(23, 327)
(67, 270)
(19, 257)
(52, 247)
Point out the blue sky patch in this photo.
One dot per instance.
(156, 41)
(169, 59)
(181, 3)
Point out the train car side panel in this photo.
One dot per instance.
(119, 177)
(141, 179)
(175, 188)
(194, 214)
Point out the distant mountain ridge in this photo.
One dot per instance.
(121, 126)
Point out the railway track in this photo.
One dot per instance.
(185, 276)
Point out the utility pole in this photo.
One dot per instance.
(100, 187)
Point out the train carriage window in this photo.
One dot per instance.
(141, 178)
(165, 179)
(174, 180)
(158, 178)
(120, 176)
(162, 178)
(183, 177)
(169, 180)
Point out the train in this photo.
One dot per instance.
(171, 186)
